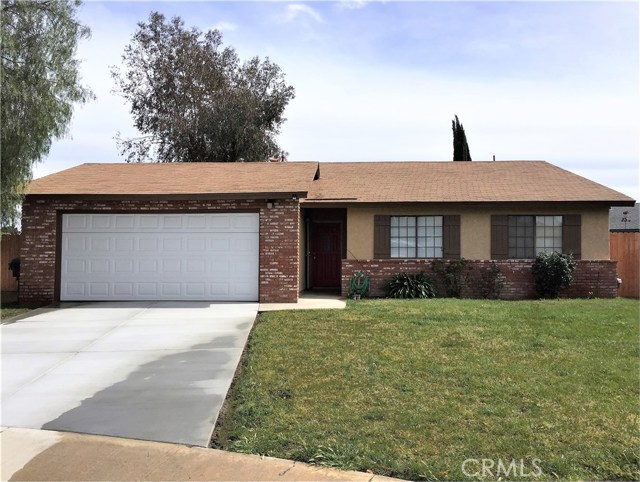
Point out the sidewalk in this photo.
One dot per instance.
(29, 454)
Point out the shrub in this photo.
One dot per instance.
(489, 283)
(552, 272)
(410, 285)
(454, 275)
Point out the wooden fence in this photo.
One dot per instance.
(10, 248)
(625, 248)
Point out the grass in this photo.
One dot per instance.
(413, 388)
(9, 310)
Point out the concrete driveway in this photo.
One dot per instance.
(144, 370)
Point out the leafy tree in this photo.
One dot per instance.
(460, 146)
(40, 84)
(194, 101)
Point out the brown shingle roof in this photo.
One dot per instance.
(454, 182)
(179, 178)
(501, 181)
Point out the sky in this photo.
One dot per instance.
(382, 81)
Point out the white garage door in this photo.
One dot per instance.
(159, 257)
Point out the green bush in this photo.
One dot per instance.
(454, 275)
(489, 282)
(410, 285)
(552, 272)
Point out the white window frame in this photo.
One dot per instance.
(416, 237)
(541, 233)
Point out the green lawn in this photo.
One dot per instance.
(8, 310)
(413, 388)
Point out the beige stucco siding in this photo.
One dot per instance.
(475, 226)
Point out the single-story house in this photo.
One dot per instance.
(624, 219)
(267, 231)
(624, 244)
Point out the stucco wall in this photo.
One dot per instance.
(475, 226)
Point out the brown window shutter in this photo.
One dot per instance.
(451, 237)
(499, 237)
(381, 236)
(571, 235)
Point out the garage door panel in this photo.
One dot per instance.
(158, 256)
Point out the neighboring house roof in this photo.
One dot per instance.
(358, 182)
(179, 178)
(617, 216)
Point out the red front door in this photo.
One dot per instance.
(325, 253)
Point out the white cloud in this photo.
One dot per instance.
(225, 26)
(352, 4)
(295, 10)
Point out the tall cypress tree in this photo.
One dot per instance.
(460, 146)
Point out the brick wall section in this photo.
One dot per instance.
(590, 278)
(279, 240)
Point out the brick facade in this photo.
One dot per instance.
(279, 240)
(590, 279)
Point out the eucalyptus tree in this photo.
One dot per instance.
(193, 100)
(39, 86)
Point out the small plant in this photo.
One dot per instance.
(454, 275)
(410, 285)
(552, 272)
(490, 284)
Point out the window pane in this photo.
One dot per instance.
(394, 252)
(422, 242)
(411, 232)
(395, 242)
(411, 252)
(438, 231)
(437, 252)
(422, 221)
(394, 232)
(394, 221)
(548, 234)
(422, 253)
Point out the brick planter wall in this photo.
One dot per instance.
(279, 240)
(590, 278)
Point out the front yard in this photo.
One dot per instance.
(11, 309)
(412, 389)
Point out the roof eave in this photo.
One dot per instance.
(172, 196)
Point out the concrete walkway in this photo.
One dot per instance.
(144, 370)
(43, 455)
(309, 301)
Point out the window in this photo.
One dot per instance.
(530, 235)
(416, 236)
